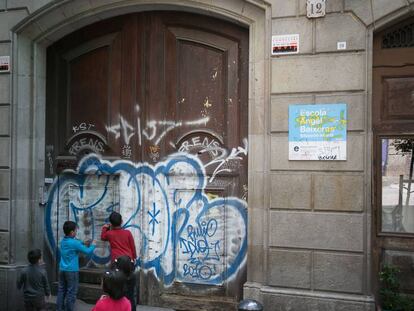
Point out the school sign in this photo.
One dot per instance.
(317, 132)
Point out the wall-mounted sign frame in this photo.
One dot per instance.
(285, 44)
(317, 132)
(4, 63)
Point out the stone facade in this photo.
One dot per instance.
(309, 241)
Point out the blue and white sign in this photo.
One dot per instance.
(317, 132)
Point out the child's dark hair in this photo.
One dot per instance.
(68, 227)
(115, 219)
(114, 284)
(34, 256)
(125, 264)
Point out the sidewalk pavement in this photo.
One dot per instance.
(83, 306)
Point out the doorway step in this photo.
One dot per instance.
(202, 303)
(90, 289)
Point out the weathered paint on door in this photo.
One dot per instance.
(147, 114)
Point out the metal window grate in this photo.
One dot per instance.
(401, 37)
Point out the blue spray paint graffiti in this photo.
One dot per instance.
(153, 216)
(200, 249)
(180, 234)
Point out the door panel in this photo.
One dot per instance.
(204, 90)
(86, 199)
(85, 90)
(208, 95)
(393, 98)
(157, 103)
(99, 196)
(200, 255)
(206, 67)
(91, 61)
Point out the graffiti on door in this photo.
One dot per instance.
(154, 131)
(181, 233)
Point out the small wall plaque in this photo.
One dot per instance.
(4, 63)
(341, 45)
(315, 8)
(48, 180)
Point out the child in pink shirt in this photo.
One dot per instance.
(113, 283)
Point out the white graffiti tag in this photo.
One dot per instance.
(150, 132)
(124, 128)
(224, 158)
(154, 131)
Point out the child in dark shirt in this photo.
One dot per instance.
(34, 282)
(122, 245)
(126, 265)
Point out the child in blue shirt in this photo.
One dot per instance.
(69, 267)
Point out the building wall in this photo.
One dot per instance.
(319, 214)
(309, 223)
(318, 226)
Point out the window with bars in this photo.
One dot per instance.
(401, 37)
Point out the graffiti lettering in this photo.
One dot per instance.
(94, 144)
(199, 240)
(154, 153)
(328, 157)
(127, 151)
(209, 144)
(150, 132)
(154, 130)
(153, 216)
(203, 230)
(82, 127)
(124, 128)
(198, 271)
(223, 159)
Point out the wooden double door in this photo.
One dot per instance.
(135, 90)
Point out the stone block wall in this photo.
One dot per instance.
(17, 231)
(317, 218)
(319, 212)
(5, 118)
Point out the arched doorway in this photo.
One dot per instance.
(149, 112)
(393, 129)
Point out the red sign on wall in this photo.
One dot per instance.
(285, 44)
(4, 63)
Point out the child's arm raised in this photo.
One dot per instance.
(104, 232)
(82, 248)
